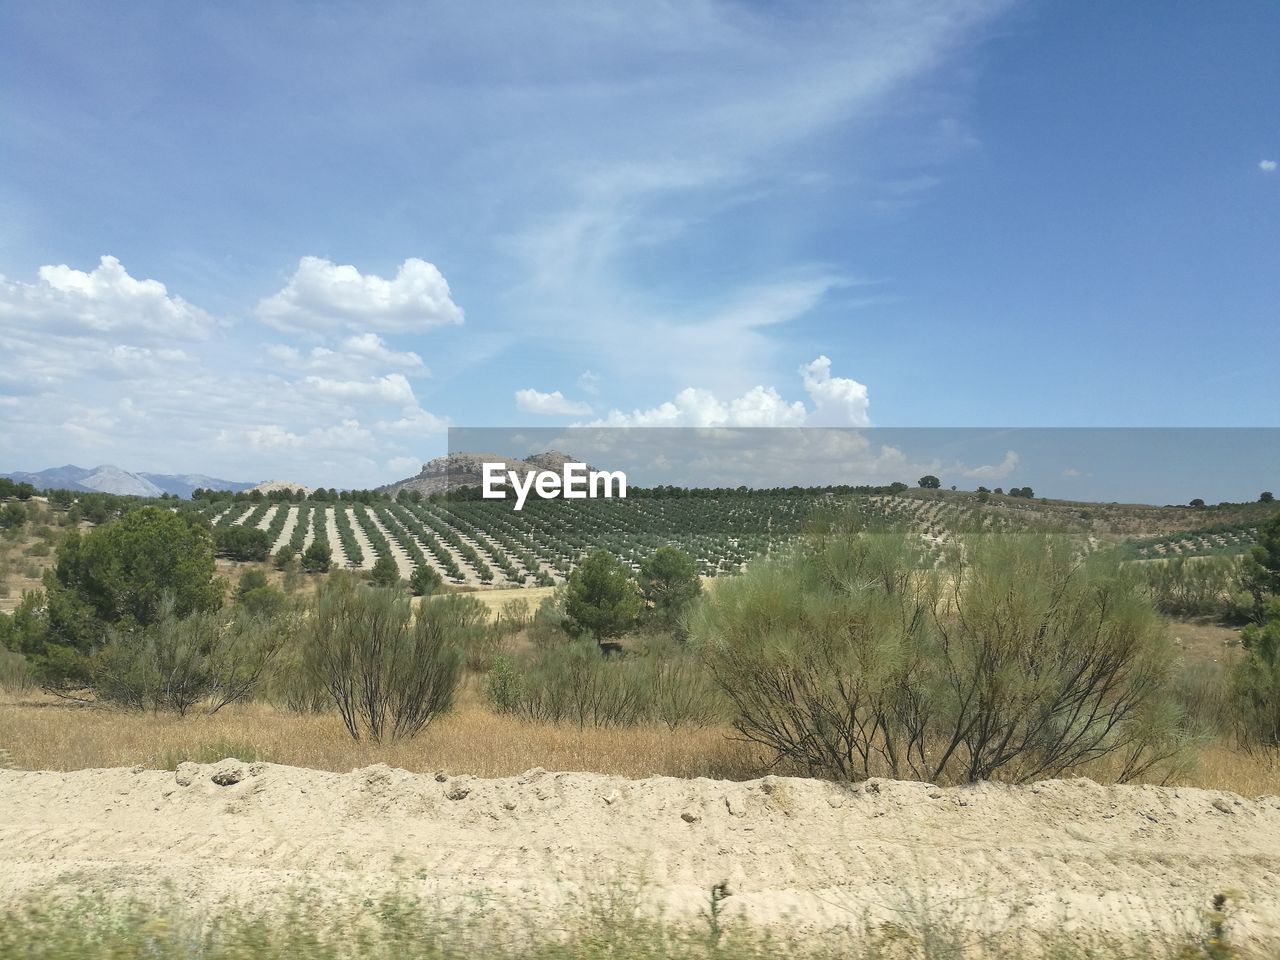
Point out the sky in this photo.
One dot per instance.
(302, 241)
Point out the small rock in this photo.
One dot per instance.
(458, 791)
(872, 785)
(691, 816)
(935, 794)
(186, 773)
(737, 805)
(612, 798)
(441, 776)
(1222, 805)
(138, 769)
(227, 774)
(532, 774)
(508, 804)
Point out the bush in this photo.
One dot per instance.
(669, 582)
(601, 598)
(424, 581)
(317, 558)
(385, 572)
(1017, 660)
(242, 543)
(573, 683)
(285, 556)
(388, 677)
(1193, 586)
(15, 673)
(177, 663)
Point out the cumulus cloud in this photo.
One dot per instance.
(553, 403)
(106, 300)
(414, 421)
(1267, 166)
(323, 296)
(393, 388)
(990, 471)
(362, 353)
(837, 401)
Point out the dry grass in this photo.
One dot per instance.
(44, 733)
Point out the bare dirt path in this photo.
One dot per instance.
(803, 853)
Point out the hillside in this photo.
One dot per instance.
(464, 470)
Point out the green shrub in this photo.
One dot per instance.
(1013, 658)
(389, 673)
(178, 663)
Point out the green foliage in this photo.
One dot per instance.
(388, 673)
(1193, 586)
(1262, 566)
(242, 542)
(257, 596)
(573, 683)
(1256, 681)
(1013, 658)
(669, 582)
(465, 619)
(24, 630)
(285, 556)
(424, 580)
(601, 598)
(930, 482)
(385, 572)
(12, 516)
(317, 558)
(174, 663)
(120, 577)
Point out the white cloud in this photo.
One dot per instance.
(323, 296)
(107, 300)
(373, 347)
(588, 382)
(838, 401)
(393, 388)
(553, 403)
(1267, 166)
(416, 421)
(365, 353)
(996, 471)
(269, 436)
(404, 466)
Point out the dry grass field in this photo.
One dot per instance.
(41, 732)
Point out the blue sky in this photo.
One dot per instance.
(333, 230)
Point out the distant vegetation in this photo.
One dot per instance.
(870, 633)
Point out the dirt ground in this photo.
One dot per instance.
(807, 854)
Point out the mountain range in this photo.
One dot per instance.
(112, 479)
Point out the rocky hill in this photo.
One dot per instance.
(466, 470)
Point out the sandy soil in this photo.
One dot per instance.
(808, 854)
